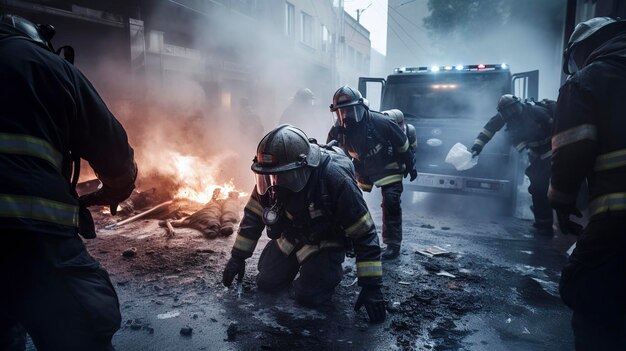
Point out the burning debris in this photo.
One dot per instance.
(217, 218)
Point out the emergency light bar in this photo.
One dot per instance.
(457, 68)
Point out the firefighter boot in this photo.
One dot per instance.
(391, 252)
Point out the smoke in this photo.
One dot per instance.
(212, 106)
(527, 37)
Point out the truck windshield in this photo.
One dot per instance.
(446, 95)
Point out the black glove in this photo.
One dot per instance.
(106, 196)
(566, 225)
(372, 298)
(234, 266)
(413, 174)
(476, 149)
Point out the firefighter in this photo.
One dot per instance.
(308, 200)
(589, 144)
(51, 116)
(301, 103)
(408, 129)
(380, 153)
(303, 113)
(529, 126)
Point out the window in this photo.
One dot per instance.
(325, 38)
(306, 28)
(290, 20)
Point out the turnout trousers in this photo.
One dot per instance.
(320, 273)
(392, 214)
(57, 292)
(538, 173)
(596, 292)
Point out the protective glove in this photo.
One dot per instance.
(476, 149)
(372, 298)
(106, 196)
(413, 174)
(566, 225)
(236, 266)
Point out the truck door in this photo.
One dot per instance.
(375, 85)
(525, 85)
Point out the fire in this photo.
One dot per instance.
(197, 178)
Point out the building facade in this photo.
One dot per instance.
(261, 50)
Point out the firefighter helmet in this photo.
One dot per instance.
(586, 37)
(285, 158)
(396, 116)
(509, 106)
(304, 95)
(39, 33)
(349, 106)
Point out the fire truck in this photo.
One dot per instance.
(450, 104)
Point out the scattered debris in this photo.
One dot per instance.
(526, 331)
(393, 306)
(455, 286)
(427, 226)
(130, 252)
(351, 284)
(508, 321)
(445, 228)
(232, 331)
(445, 274)
(170, 314)
(404, 283)
(156, 209)
(433, 251)
(186, 331)
(216, 218)
(230, 214)
(169, 231)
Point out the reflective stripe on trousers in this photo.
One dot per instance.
(610, 160)
(606, 203)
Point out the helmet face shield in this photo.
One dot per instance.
(349, 115)
(293, 180)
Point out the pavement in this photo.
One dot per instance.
(496, 289)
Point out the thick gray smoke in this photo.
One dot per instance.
(213, 120)
(527, 35)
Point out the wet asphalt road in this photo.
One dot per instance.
(502, 296)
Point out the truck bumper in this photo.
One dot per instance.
(430, 182)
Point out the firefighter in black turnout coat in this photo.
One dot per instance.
(589, 144)
(50, 117)
(307, 198)
(529, 126)
(381, 156)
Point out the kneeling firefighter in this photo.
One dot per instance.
(307, 198)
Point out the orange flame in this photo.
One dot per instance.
(198, 178)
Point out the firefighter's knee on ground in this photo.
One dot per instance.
(269, 283)
(310, 298)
